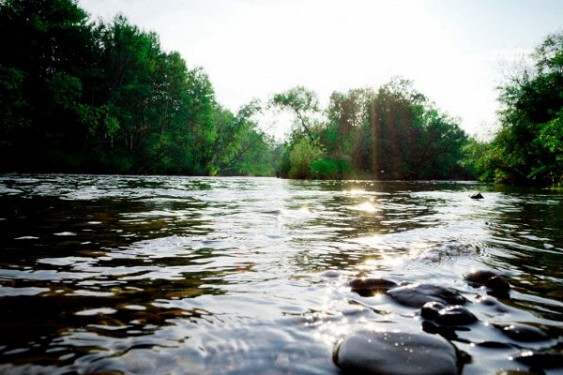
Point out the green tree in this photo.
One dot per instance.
(241, 148)
(342, 137)
(528, 147)
(51, 52)
(302, 156)
(304, 104)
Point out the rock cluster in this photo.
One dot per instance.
(443, 313)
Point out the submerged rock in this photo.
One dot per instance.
(540, 360)
(498, 286)
(370, 287)
(417, 295)
(495, 283)
(479, 278)
(523, 332)
(476, 196)
(401, 353)
(447, 315)
(430, 310)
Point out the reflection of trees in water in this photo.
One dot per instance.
(99, 271)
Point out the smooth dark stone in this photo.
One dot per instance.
(525, 333)
(371, 352)
(479, 278)
(540, 360)
(498, 286)
(495, 283)
(476, 196)
(455, 316)
(418, 294)
(369, 287)
(430, 310)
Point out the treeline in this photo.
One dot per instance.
(394, 133)
(78, 95)
(528, 148)
(84, 96)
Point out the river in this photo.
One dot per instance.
(193, 275)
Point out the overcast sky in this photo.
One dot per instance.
(455, 51)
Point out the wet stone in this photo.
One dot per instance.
(430, 310)
(539, 360)
(447, 315)
(418, 294)
(429, 326)
(498, 286)
(479, 278)
(524, 333)
(370, 287)
(476, 196)
(495, 283)
(372, 352)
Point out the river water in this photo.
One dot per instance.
(189, 275)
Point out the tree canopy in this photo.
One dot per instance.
(84, 96)
(528, 148)
(394, 133)
(78, 95)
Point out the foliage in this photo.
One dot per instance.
(304, 104)
(84, 96)
(391, 133)
(301, 157)
(528, 148)
(76, 95)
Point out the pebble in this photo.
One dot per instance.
(400, 353)
(447, 315)
(522, 332)
(537, 361)
(430, 310)
(495, 283)
(417, 295)
(370, 287)
(479, 278)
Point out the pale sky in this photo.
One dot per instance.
(455, 51)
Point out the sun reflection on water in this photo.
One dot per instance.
(365, 207)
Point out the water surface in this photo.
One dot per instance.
(185, 275)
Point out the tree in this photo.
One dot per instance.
(304, 104)
(50, 54)
(528, 147)
(342, 137)
(241, 148)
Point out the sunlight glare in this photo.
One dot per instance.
(365, 207)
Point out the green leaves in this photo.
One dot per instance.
(83, 96)
(528, 148)
(304, 105)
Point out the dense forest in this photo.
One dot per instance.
(83, 95)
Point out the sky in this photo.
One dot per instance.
(456, 52)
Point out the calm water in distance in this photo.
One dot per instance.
(187, 275)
